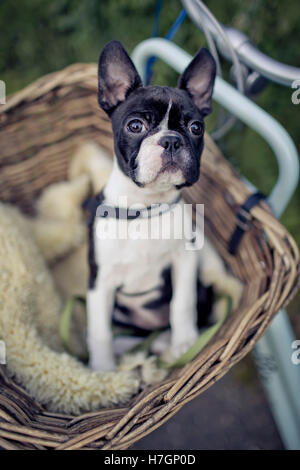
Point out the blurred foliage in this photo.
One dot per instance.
(38, 37)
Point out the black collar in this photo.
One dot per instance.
(95, 206)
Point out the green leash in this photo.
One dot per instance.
(65, 321)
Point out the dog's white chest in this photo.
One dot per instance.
(139, 266)
(135, 252)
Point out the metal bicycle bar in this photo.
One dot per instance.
(282, 380)
(245, 50)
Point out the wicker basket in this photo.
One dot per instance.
(40, 127)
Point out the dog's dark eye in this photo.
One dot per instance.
(196, 128)
(136, 126)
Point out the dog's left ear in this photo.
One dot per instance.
(117, 76)
(198, 80)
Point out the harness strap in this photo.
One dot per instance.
(95, 206)
(243, 218)
(91, 206)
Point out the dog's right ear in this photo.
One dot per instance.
(117, 76)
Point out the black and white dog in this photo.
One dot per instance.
(158, 140)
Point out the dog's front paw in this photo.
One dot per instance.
(102, 364)
(182, 341)
(101, 356)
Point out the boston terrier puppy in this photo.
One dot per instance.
(158, 131)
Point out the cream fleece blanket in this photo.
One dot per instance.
(29, 316)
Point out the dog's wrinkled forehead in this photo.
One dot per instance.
(167, 108)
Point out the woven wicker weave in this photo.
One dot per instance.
(40, 127)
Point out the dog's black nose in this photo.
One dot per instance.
(172, 143)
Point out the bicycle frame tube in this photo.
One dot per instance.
(247, 53)
(283, 382)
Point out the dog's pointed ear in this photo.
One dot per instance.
(198, 80)
(117, 76)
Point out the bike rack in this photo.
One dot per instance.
(280, 377)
